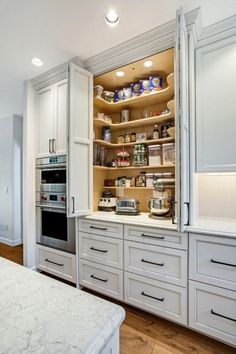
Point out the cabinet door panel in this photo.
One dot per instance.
(80, 141)
(182, 121)
(44, 109)
(60, 117)
(215, 106)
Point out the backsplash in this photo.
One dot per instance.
(216, 195)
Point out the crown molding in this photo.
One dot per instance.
(51, 76)
(217, 31)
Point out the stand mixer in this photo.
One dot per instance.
(162, 204)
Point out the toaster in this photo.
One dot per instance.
(127, 206)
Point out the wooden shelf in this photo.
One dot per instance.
(150, 99)
(133, 167)
(147, 142)
(130, 188)
(139, 122)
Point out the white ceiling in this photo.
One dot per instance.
(57, 30)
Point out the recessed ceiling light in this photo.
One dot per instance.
(112, 18)
(120, 73)
(148, 63)
(37, 61)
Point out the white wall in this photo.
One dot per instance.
(10, 180)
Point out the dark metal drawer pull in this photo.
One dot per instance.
(152, 297)
(47, 260)
(96, 249)
(227, 264)
(104, 280)
(159, 238)
(158, 264)
(98, 228)
(218, 314)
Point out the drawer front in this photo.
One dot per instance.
(102, 228)
(162, 299)
(106, 280)
(213, 260)
(156, 262)
(157, 237)
(212, 311)
(104, 250)
(60, 264)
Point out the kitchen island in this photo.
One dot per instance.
(41, 315)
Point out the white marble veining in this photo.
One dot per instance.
(41, 315)
(142, 219)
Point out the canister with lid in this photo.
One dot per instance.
(168, 152)
(155, 155)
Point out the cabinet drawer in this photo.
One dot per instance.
(156, 262)
(58, 263)
(213, 260)
(162, 299)
(105, 250)
(106, 280)
(212, 311)
(156, 237)
(102, 228)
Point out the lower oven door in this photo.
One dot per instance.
(55, 230)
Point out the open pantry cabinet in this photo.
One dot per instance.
(151, 143)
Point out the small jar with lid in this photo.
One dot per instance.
(149, 179)
(120, 139)
(133, 137)
(127, 137)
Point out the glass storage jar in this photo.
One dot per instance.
(168, 152)
(155, 156)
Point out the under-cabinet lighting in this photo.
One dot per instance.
(112, 18)
(37, 61)
(120, 73)
(148, 63)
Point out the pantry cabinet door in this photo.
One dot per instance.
(45, 121)
(80, 141)
(60, 117)
(182, 121)
(215, 106)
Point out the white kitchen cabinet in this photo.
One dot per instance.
(215, 106)
(45, 120)
(212, 311)
(60, 117)
(51, 112)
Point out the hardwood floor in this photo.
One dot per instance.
(143, 333)
(14, 254)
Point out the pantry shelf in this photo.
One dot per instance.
(139, 101)
(155, 167)
(136, 188)
(147, 142)
(139, 122)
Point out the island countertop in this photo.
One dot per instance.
(41, 315)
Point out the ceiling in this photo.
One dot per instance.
(58, 30)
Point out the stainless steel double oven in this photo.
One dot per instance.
(54, 228)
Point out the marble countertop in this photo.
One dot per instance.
(41, 315)
(142, 219)
(214, 226)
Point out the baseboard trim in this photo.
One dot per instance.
(10, 242)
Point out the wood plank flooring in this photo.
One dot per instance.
(14, 254)
(143, 333)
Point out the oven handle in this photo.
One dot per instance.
(52, 208)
